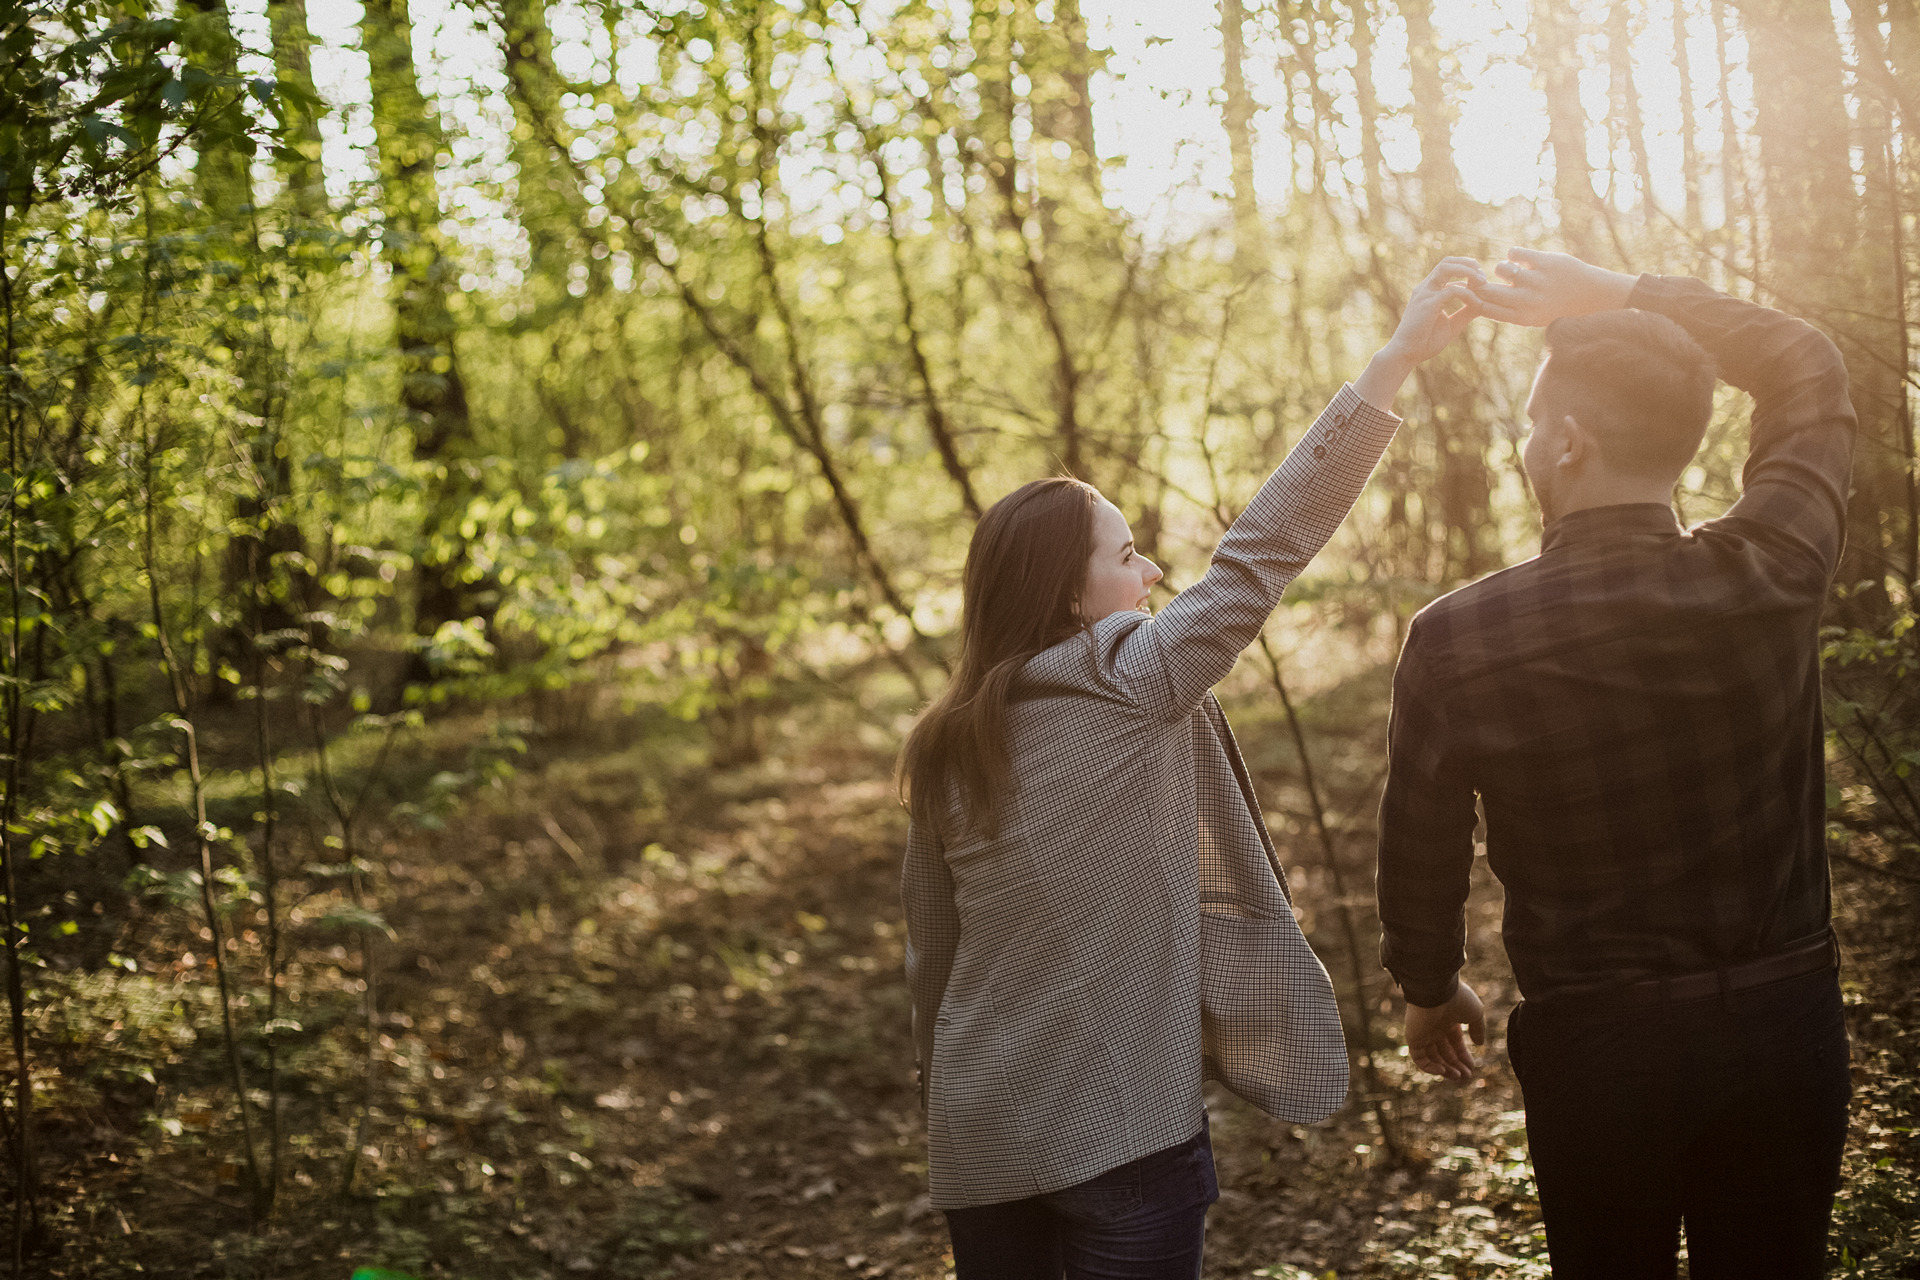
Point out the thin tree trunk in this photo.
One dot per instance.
(1409, 538)
(1457, 420)
(1432, 121)
(1626, 101)
(1908, 449)
(1066, 195)
(1903, 64)
(1812, 227)
(1734, 194)
(1555, 50)
(176, 679)
(1879, 98)
(938, 427)
(220, 178)
(1689, 143)
(993, 70)
(270, 888)
(433, 394)
(1236, 116)
(1063, 104)
(299, 163)
(1358, 965)
(1367, 104)
(26, 1198)
(346, 816)
(548, 200)
(223, 185)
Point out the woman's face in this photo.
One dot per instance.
(1118, 577)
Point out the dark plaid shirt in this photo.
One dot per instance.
(1637, 708)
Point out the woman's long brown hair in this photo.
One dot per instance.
(1020, 594)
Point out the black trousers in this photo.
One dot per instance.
(1726, 1114)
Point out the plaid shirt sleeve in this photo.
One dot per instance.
(1426, 836)
(1794, 486)
(933, 934)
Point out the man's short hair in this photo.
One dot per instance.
(1637, 381)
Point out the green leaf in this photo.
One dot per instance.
(348, 915)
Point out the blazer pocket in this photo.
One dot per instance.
(1270, 1028)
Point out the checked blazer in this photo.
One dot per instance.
(1128, 932)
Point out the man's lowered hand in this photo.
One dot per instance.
(1434, 1038)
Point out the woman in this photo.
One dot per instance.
(1095, 917)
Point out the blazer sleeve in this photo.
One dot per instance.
(1169, 662)
(933, 933)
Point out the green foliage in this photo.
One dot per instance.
(1873, 717)
(1490, 1230)
(91, 94)
(659, 406)
(646, 1233)
(1876, 1224)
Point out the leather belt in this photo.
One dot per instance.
(1797, 959)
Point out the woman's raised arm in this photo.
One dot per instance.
(1192, 643)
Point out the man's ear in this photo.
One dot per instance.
(1577, 445)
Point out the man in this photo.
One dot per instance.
(1638, 711)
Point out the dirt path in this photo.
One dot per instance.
(643, 1017)
(706, 987)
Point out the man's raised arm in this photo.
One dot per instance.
(1801, 453)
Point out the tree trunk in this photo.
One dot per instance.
(1689, 145)
(1556, 65)
(1813, 236)
(1236, 115)
(1367, 102)
(548, 199)
(1735, 195)
(1626, 101)
(1061, 98)
(1881, 325)
(993, 68)
(1457, 419)
(1902, 53)
(433, 396)
(1432, 121)
(220, 179)
(299, 165)
(223, 186)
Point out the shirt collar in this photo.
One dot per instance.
(1611, 524)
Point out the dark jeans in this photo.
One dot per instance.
(1727, 1114)
(1146, 1220)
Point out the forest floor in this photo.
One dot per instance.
(643, 1016)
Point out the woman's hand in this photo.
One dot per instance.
(1438, 311)
(1436, 314)
(1537, 288)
